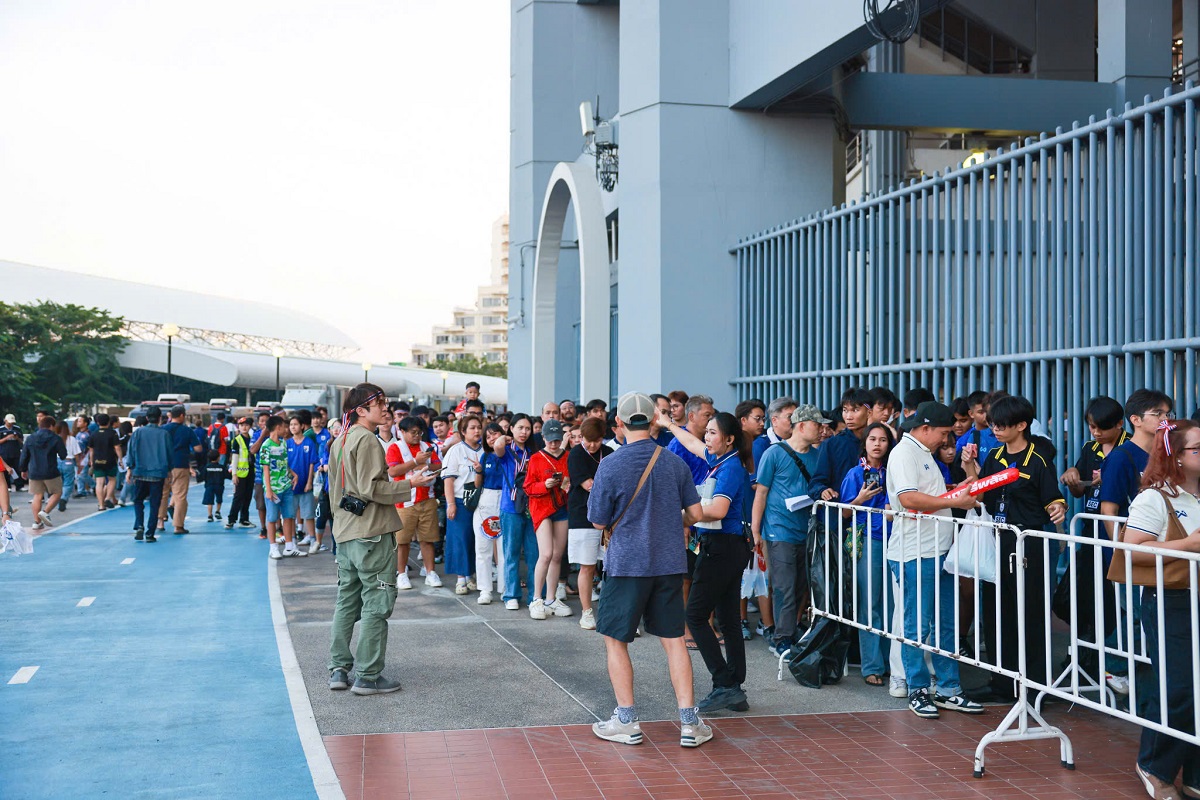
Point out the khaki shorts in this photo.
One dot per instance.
(46, 487)
(420, 522)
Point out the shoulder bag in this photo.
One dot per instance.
(606, 534)
(1175, 570)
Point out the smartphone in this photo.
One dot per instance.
(434, 471)
(558, 476)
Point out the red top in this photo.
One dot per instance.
(398, 452)
(544, 502)
(222, 433)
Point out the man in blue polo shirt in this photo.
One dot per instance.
(1121, 474)
(839, 454)
(779, 427)
(183, 446)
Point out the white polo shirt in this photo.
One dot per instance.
(1148, 512)
(911, 468)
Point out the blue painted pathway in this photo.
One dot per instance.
(168, 685)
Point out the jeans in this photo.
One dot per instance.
(1162, 755)
(716, 586)
(933, 582)
(460, 541)
(518, 535)
(66, 469)
(787, 572)
(874, 608)
(146, 490)
(366, 592)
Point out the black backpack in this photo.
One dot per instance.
(214, 438)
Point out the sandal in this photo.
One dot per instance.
(690, 644)
(873, 680)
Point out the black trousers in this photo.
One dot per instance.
(1037, 614)
(152, 491)
(716, 586)
(243, 496)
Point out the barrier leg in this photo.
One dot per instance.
(1017, 727)
(1077, 681)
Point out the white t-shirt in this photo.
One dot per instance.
(911, 468)
(73, 448)
(1148, 512)
(459, 463)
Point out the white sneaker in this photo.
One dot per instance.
(694, 735)
(512, 605)
(313, 547)
(1118, 683)
(275, 551)
(306, 541)
(560, 609)
(402, 582)
(561, 592)
(537, 609)
(45, 518)
(292, 551)
(422, 572)
(587, 620)
(432, 579)
(595, 595)
(485, 598)
(899, 687)
(461, 587)
(471, 585)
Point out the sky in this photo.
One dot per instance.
(345, 157)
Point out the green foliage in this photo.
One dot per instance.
(58, 356)
(471, 365)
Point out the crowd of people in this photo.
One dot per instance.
(679, 519)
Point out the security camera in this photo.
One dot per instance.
(585, 119)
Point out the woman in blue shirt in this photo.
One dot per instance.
(724, 553)
(864, 486)
(491, 480)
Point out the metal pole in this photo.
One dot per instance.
(169, 338)
(277, 358)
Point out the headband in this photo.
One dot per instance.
(363, 404)
(1166, 426)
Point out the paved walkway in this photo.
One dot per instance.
(167, 670)
(155, 668)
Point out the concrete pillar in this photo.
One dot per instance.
(695, 176)
(1134, 46)
(886, 152)
(1066, 43)
(1191, 39)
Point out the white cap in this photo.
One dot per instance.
(636, 410)
(9, 418)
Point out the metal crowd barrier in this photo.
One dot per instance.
(839, 581)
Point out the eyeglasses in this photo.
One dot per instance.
(757, 418)
(1160, 414)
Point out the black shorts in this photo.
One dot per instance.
(625, 601)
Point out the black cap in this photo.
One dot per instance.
(930, 413)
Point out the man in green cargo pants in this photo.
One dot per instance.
(365, 522)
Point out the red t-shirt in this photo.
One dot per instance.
(398, 452)
(222, 432)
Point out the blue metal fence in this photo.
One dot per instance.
(1059, 269)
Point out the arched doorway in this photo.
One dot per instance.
(572, 186)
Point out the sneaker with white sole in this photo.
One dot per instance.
(485, 598)
(402, 581)
(471, 585)
(291, 551)
(422, 572)
(461, 587)
(587, 620)
(695, 734)
(307, 540)
(614, 730)
(561, 592)
(537, 609)
(512, 605)
(920, 704)
(899, 687)
(560, 609)
(44, 517)
(956, 702)
(315, 548)
(433, 580)
(275, 551)
(1118, 683)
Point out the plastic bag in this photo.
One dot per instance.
(15, 540)
(820, 657)
(973, 540)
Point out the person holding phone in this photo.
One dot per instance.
(547, 484)
(410, 454)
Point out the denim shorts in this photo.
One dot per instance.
(285, 508)
(306, 504)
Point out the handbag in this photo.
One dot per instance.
(973, 541)
(606, 534)
(471, 495)
(1175, 570)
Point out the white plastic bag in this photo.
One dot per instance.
(974, 541)
(15, 540)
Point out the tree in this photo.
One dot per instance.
(66, 355)
(470, 365)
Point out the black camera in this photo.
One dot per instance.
(355, 505)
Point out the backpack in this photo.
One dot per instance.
(214, 437)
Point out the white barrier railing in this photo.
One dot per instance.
(864, 598)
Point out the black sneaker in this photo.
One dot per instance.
(138, 537)
(150, 537)
(109, 504)
(724, 697)
(181, 531)
(210, 519)
(380, 685)
(139, 530)
(957, 702)
(228, 526)
(339, 679)
(217, 514)
(747, 634)
(920, 704)
(246, 523)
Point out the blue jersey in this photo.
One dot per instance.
(302, 458)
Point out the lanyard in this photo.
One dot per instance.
(719, 464)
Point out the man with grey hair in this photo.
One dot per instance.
(779, 417)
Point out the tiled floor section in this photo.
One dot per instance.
(888, 754)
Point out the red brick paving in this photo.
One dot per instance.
(873, 754)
